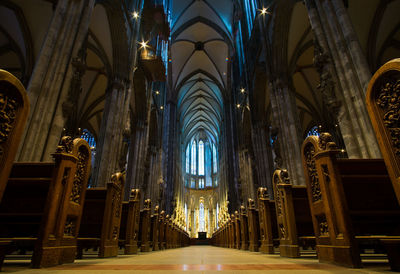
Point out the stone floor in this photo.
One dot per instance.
(197, 259)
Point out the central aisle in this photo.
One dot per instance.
(197, 259)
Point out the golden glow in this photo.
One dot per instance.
(238, 105)
(157, 92)
(265, 11)
(242, 90)
(143, 44)
(135, 15)
(162, 107)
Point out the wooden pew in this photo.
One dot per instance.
(253, 226)
(14, 110)
(145, 225)
(353, 204)
(244, 230)
(101, 218)
(42, 206)
(129, 230)
(155, 229)
(174, 234)
(232, 226)
(383, 107)
(268, 225)
(237, 231)
(293, 216)
(225, 234)
(162, 225)
(167, 232)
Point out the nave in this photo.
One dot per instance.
(196, 259)
(133, 126)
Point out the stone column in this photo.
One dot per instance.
(263, 155)
(137, 152)
(334, 31)
(154, 175)
(112, 127)
(51, 78)
(230, 170)
(246, 175)
(171, 149)
(285, 121)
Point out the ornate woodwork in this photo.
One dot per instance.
(383, 104)
(265, 208)
(333, 233)
(14, 110)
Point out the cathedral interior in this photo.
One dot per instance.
(204, 110)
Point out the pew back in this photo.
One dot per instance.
(102, 218)
(43, 204)
(14, 110)
(383, 107)
(352, 202)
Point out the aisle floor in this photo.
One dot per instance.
(196, 259)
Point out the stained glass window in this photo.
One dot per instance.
(194, 159)
(313, 131)
(201, 218)
(216, 215)
(215, 165)
(86, 135)
(201, 183)
(201, 158)
(187, 158)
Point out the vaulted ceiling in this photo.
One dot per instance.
(201, 42)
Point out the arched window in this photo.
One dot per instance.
(201, 158)
(188, 159)
(216, 215)
(313, 131)
(201, 183)
(194, 159)
(88, 136)
(215, 165)
(201, 218)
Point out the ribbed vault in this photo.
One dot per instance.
(201, 39)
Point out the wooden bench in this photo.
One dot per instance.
(129, 230)
(237, 230)
(383, 107)
(353, 204)
(101, 218)
(155, 229)
(267, 218)
(244, 230)
(161, 235)
(253, 226)
(294, 222)
(145, 225)
(14, 110)
(232, 226)
(42, 206)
